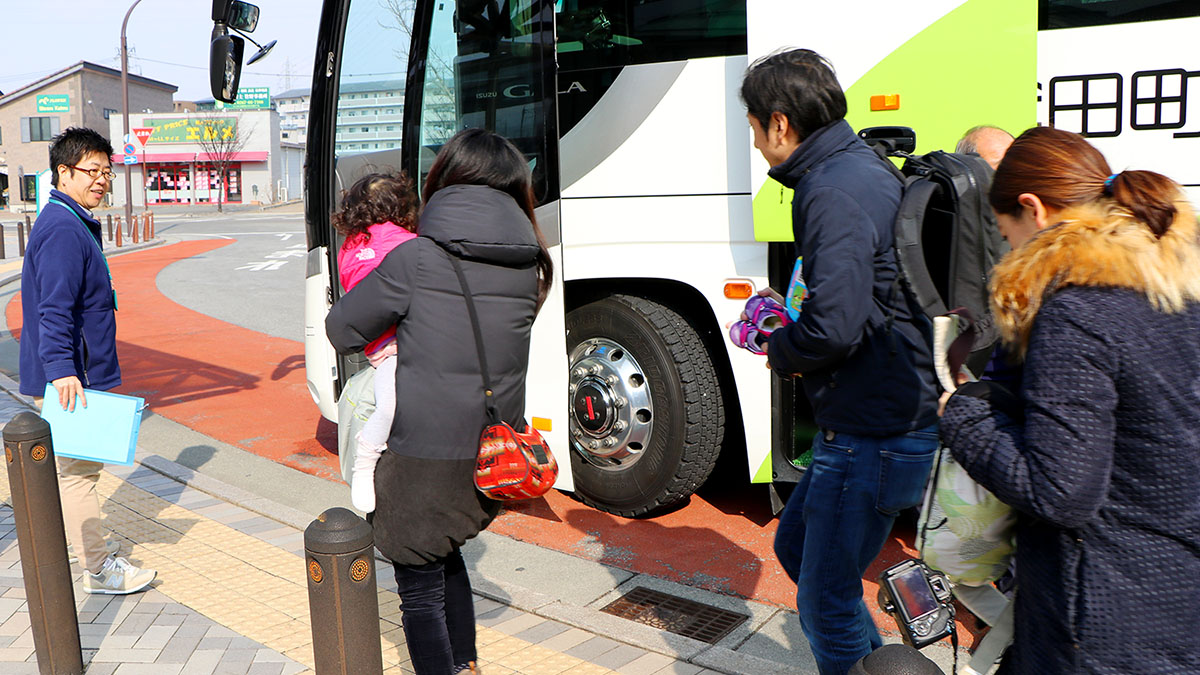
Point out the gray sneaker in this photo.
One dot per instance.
(117, 577)
(112, 546)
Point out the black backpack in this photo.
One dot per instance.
(946, 239)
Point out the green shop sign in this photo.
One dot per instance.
(191, 129)
(54, 103)
(249, 98)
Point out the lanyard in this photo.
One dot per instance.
(92, 238)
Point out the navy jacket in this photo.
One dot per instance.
(1103, 468)
(67, 302)
(861, 375)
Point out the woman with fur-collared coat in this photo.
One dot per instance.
(1101, 298)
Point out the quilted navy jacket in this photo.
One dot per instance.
(1105, 470)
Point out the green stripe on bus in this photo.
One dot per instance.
(975, 65)
(764, 473)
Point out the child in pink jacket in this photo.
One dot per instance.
(378, 214)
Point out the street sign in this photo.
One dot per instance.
(129, 149)
(127, 138)
(131, 159)
(142, 133)
(249, 98)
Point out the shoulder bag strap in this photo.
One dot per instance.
(488, 401)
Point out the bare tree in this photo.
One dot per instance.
(222, 137)
(440, 94)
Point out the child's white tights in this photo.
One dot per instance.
(372, 440)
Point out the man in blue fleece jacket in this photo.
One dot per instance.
(69, 335)
(862, 351)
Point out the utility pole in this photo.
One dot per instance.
(125, 112)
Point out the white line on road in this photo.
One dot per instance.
(263, 265)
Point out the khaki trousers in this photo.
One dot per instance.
(77, 479)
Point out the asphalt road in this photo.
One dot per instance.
(255, 282)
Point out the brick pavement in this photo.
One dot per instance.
(231, 598)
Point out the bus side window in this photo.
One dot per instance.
(597, 38)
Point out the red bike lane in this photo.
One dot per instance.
(247, 389)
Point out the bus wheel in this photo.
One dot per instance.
(647, 418)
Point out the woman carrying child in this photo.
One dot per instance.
(478, 207)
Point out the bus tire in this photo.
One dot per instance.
(663, 442)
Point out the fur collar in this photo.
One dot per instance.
(1096, 245)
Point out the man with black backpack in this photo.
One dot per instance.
(861, 347)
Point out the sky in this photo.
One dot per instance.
(168, 41)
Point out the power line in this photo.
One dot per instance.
(185, 65)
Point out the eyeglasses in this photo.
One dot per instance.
(93, 173)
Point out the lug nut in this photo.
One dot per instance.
(619, 401)
(579, 372)
(595, 370)
(609, 442)
(594, 444)
(572, 387)
(620, 425)
(612, 380)
(576, 432)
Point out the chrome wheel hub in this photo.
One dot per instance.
(612, 413)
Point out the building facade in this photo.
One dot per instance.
(292, 106)
(207, 157)
(83, 95)
(370, 116)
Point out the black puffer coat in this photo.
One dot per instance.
(1105, 469)
(426, 502)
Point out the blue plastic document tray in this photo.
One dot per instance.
(105, 431)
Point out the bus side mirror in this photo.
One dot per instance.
(242, 16)
(892, 139)
(225, 65)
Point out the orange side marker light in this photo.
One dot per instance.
(541, 423)
(885, 102)
(738, 290)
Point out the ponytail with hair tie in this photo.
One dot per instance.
(1108, 185)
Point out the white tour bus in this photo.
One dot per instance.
(657, 207)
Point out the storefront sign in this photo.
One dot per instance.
(190, 129)
(54, 103)
(249, 98)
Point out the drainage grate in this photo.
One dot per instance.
(675, 614)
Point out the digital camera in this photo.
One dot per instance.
(919, 599)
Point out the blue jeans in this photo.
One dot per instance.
(835, 524)
(438, 615)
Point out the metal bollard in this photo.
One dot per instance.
(20, 240)
(152, 234)
(146, 226)
(343, 605)
(37, 509)
(3, 255)
(134, 228)
(109, 219)
(118, 231)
